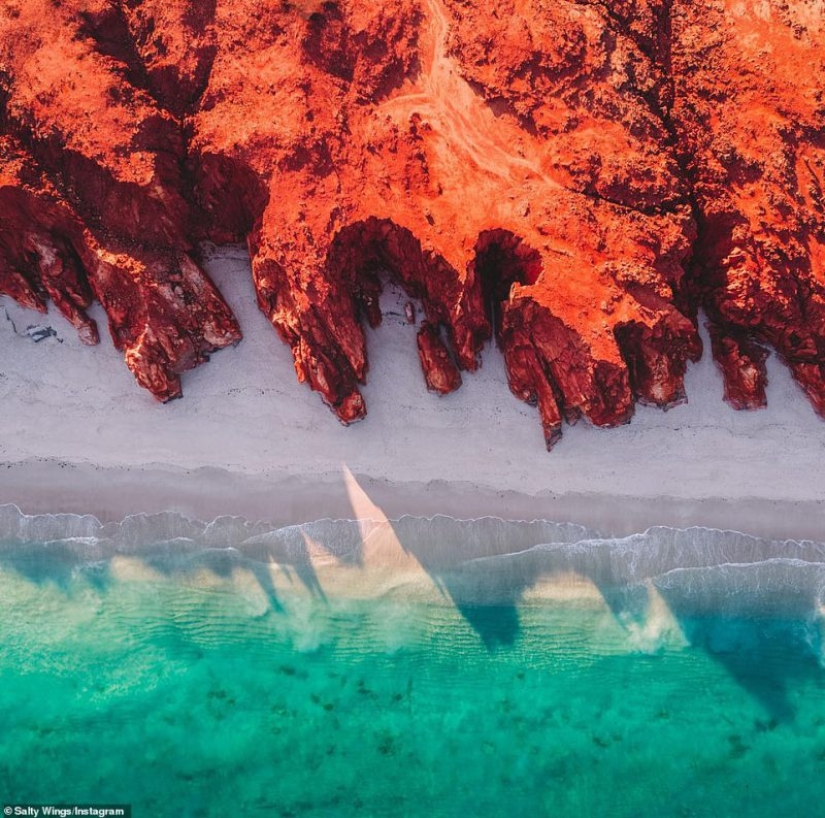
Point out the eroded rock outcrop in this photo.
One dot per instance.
(749, 117)
(573, 180)
(92, 198)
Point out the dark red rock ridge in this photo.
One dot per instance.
(571, 180)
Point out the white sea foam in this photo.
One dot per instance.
(486, 561)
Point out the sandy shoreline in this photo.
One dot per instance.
(110, 494)
(77, 435)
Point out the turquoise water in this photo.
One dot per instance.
(544, 671)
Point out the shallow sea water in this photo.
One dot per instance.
(544, 671)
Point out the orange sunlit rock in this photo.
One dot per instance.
(573, 180)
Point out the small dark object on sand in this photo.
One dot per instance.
(38, 334)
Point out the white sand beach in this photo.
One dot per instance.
(78, 435)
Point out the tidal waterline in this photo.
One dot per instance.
(415, 667)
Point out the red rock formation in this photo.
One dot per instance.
(91, 195)
(574, 178)
(742, 361)
(749, 116)
(440, 371)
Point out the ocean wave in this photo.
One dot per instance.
(486, 560)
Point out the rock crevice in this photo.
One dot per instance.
(575, 180)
